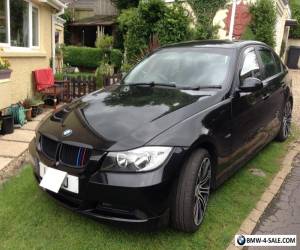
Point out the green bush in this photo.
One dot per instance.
(152, 18)
(104, 42)
(174, 26)
(295, 31)
(116, 58)
(92, 57)
(102, 71)
(263, 21)
(82, 56)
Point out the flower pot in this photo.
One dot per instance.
(7, 124)
(5, 74)
(35, 111)
(28, 113)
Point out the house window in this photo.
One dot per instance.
(19, 24)
(35, 26)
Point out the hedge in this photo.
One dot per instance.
(91, 57)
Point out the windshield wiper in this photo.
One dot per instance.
(201, 87)
(151, 84)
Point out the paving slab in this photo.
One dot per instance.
(19, 135)
(4, 161)
(12, 148)
(41, 116)
(32, 125)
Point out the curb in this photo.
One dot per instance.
(253, 218)
(14, 166)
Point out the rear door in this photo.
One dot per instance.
(273, 80)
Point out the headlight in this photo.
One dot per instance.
(140, 159)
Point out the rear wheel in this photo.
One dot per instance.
(192, 192)
(286, 122)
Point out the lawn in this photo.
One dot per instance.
(29, 219)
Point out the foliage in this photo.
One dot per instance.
(263, 21)
(4, 63)
(67, 28)
(174, 26)
(205, 12)
(248, 34)
(295, 31)
(102, 71)
(82, 56)
(116, 58)
(104, 42)
(91, 57)
(125, 4)
(152, 18)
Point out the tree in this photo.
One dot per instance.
(152, 20)
(295, 31)
(125, 4)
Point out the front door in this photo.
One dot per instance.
(248, 111)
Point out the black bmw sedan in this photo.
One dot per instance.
(151, 149)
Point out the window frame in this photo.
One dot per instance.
(243, 54)
(30, 47)
(261, 47)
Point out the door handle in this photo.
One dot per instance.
(266, 96)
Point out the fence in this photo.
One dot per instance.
(76, 87)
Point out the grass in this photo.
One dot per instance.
(29, 219)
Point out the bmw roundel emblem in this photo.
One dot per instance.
(67, 132)
(241, 240)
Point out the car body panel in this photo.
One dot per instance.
(231, 124)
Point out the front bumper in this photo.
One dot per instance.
(135, 198)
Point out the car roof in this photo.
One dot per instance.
(235, 44)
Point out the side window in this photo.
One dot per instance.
(271, 68)
(279, 65)
(250, 66)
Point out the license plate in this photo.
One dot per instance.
(54, 180)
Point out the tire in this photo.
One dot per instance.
(286, 121)
(191, 192)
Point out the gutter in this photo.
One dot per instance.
(56, 4)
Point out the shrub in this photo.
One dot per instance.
(295, 31)
(151, 19)
(104, 42)
(263, 21)
(82, 56)
(116, 58)
(174, 26)
(102, 71)
(92, 57)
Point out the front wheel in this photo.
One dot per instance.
(192, 192)
(286, 122)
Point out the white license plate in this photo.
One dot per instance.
(54, 180)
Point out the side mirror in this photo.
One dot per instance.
(251, 84)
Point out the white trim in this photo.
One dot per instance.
(55, 4)
(39, 26)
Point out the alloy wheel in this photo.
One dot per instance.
(287, 119)
(202, 189)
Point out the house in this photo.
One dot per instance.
(242, 18)
(27, 38)
(91, 18)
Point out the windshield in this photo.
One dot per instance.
(183, 67)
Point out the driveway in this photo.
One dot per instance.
(283, 214)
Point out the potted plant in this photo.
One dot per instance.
(5, 72)
(27, 103)
(35, 104)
